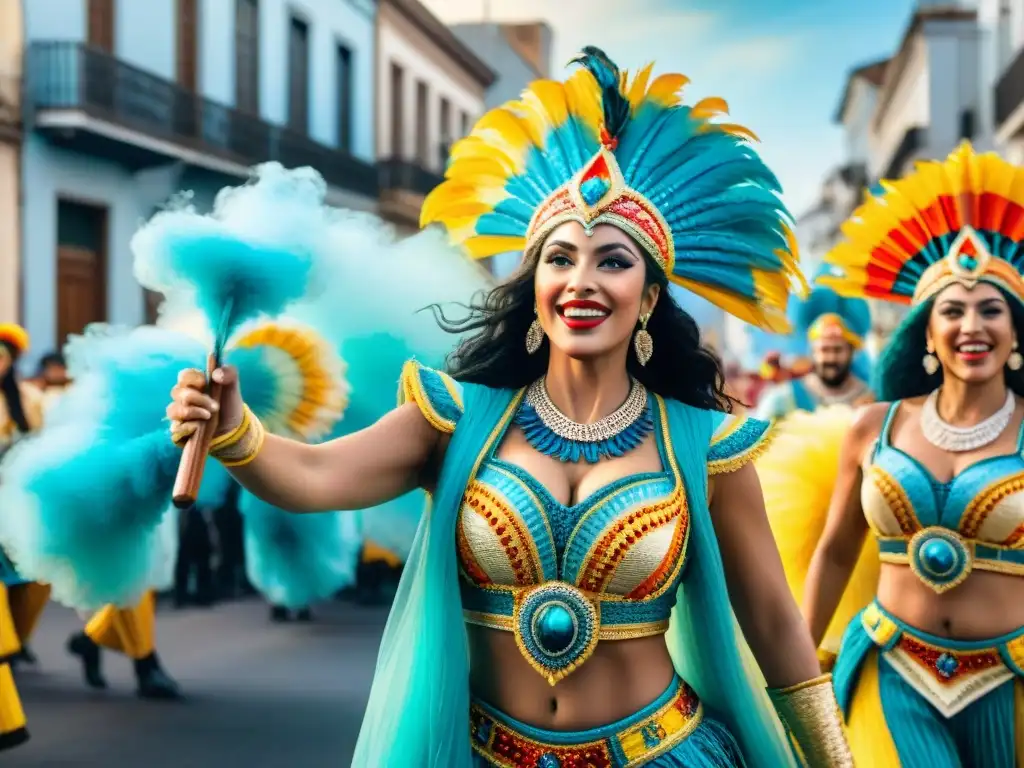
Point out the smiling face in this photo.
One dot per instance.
(971, 332)
(591, 290)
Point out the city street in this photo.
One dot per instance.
(259, 695)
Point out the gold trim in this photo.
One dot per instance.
(605, 631)
(752, 453)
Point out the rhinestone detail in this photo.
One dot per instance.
(604, 429)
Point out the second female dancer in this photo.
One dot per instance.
(588, 482)
(930, 673)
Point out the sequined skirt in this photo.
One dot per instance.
(670, 732)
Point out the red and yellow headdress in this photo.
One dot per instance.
(606, 148)
(960, 220)
(16, 336)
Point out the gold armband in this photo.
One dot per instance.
(811, 715)
(241, 445)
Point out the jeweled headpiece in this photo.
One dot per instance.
(604, 148)
(960, 220)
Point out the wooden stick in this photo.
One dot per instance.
(193, 455)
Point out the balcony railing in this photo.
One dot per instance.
(1010, 89)
(72, 76)
(395, 174)
(912, 141)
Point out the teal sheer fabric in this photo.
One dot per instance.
(418, 710)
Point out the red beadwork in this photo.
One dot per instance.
(968, 662)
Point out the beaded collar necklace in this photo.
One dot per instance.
(554, 434)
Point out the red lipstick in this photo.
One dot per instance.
(586, 321)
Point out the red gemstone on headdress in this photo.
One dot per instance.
(608, 140)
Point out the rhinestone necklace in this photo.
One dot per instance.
(553, 433)
(962, 439)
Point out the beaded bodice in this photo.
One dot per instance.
(944, 530)
(564, 577)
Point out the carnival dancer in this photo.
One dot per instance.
(568, 455)
(835, 328)
(930, 672)
(21, 601)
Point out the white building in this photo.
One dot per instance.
(430, 91)
(931, 97)
(1003, 71)
(130, 101)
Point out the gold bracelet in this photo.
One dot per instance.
(811, 714)
(242, 444)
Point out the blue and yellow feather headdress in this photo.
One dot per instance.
(604, 148)
(824, 314)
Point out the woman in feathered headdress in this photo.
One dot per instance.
(568, 453)
(930, 672)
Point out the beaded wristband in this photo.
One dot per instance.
(811, 714)
(242, 444)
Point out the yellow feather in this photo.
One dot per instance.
(475, 148)
(482, 246)
(666, 90)
(583, 99)
(747, 310)
(547, 97)
(712, 106)
(798, 474)
(735, 129)
(638, 88)
(467, 167)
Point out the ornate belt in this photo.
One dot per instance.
(557, 625)
(949, 674)
(942, 558)
(634, 741)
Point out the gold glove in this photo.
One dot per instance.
(811, 714)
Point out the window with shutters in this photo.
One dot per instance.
(247, 56)
(343, 65)
(188, 44)
(422, 124)
(101, 24)
(397, 111)
(298, 75)
(445, 131)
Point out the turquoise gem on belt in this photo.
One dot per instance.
(556, 628)
(940, 558)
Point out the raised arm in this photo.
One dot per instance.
(762, 601)
(397, 454)
(840, 545)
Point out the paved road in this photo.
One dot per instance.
(259, 695)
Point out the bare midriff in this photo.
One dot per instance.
(986, 605)
(619, 679)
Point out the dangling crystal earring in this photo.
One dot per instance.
(1015, 362)
(930, 362)
(643, 344)
(535, 335)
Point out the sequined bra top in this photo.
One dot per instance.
(944, 531)
(562, 578)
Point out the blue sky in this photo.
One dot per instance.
(781, 64)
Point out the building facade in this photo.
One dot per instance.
(10, 160)
(1003, 71)
(931, 97)
(430, 91)
(126, 103)
(518, 54)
